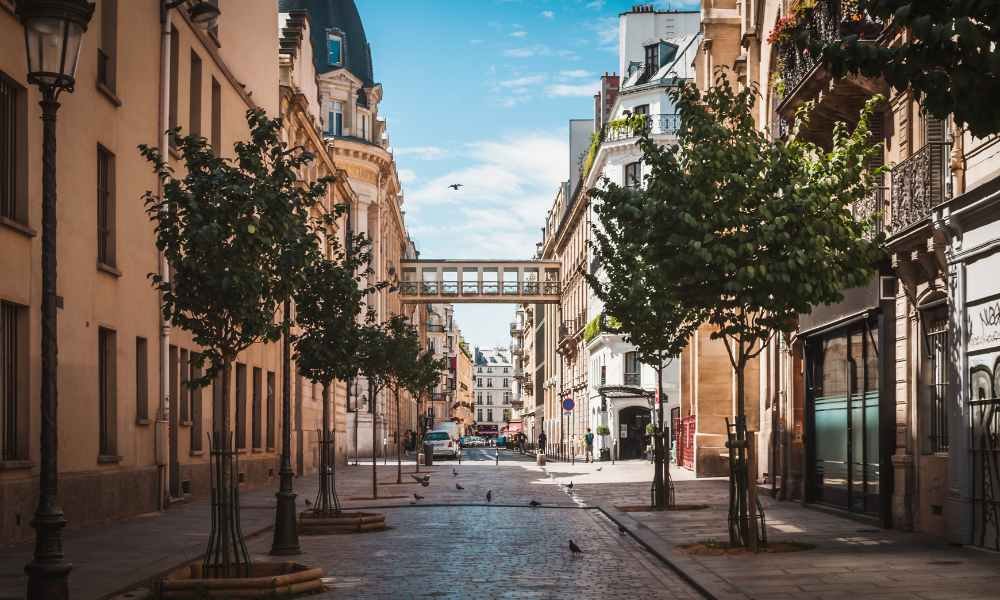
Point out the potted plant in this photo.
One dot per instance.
(603, 431)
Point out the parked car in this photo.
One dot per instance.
(442, 444)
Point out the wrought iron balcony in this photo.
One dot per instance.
(827, 21)
(665, 124)
(875, 206)
(919, 183)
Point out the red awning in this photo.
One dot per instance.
(515, 427)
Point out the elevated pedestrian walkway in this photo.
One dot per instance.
(480, 281)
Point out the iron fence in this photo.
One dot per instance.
(919, 183)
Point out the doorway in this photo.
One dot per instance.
(632, 423)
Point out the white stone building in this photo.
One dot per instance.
(493, 387)
(656, 52)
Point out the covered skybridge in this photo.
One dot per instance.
(480, 281)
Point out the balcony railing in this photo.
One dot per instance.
(632, 378)
(473, 288)
(919, 183)
(828, 21)
(872, 209)
(666, 124)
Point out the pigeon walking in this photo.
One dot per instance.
(534, 504)
(574, 548)
(454, 472)
(458, 487)
(599, 468)
(570, 486)
(417, 497)
(308, 503)
(489, 495)
(425, 483)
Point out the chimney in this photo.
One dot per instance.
(609, 93)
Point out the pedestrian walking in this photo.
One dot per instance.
(589, 441)
(541, 442)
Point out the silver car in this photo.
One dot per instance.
(442, 443)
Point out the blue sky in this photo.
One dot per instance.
(479, 92)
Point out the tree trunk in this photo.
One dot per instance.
(659, 485)
(664, 460)
(399, 449)
(371, 411)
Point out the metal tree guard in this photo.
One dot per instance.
(227, 554)
(327, 503)
(746, 524)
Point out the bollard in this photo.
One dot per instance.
(428, 455)
(540, 459)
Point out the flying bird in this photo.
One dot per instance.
(534, 504)
(574, 548)
(458, 487)
(417, 497)
(455, 186)
(489, 495)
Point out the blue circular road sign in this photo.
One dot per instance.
(568, 404)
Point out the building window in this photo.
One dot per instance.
(604, 375)
(107, 51)
(255, 414)
(506, 414)
(937, 392)
(335, 119)
(105, 206)
(106, 392)
(216, 117)
(506, 382)
(13, 381)
(479, 381)
(489, 414)
(632, 369)
(141, 379)
(652, 59)
(196, 411)
(194, 95)
(270, 409)
(506, 397)
(479, 414)
(506, 369)
(633, 175)
(13, 151)
(334, 49)
(489, 382)
(479, 397)
(241, 406)
(175, 59)
(184, 402)
(489, 369)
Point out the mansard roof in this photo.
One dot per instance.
(341, 15)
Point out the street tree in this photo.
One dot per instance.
(328, 310)
(949, 57)
(753, 232)
(640, 300)
(422, 374)
(236, 235)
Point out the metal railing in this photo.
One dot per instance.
(632, 378)
(828, 21)
(665, 124)
(475, 288)
(919, 183)
(872, 209)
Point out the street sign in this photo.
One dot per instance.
(568, 404)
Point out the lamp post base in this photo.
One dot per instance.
(48, 572)
(286, 535)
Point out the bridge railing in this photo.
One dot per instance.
(476, 288)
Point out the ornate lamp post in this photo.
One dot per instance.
(53, 34)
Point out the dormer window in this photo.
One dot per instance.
(335, 119)
(334, 49)
(652, 59)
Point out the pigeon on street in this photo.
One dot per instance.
(417, 497)
(574, 548)
(458, 487)
(454, 472)
(570, 486)
(534, 504)
(599, 468)
(489, 496)
(308, 503)
(425, 483)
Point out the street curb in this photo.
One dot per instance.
(466, 505)
(708, 584)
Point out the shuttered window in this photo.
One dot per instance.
(194, 95)
(270, 410)
(13, 150)
(105, 206)
(13, 382)
(107, 392)
(184, 400)
(197, 431)
(241, 406)
(107, 51)
(141, 379)
(255, 412)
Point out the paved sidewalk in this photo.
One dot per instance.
(852, 559)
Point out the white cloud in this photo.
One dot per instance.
(606, 30)
(406, 175)
(527, 51)
(421, 152)
(521, 82)
(575, 73)
(520, 33)
(548, 14)
(596, 4)
(569, 90)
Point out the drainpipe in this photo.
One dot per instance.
(161, 443)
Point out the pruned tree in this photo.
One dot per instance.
(328, 347)
(753, 232)
(640, 302)
(236, 235)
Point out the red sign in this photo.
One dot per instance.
(515, 427)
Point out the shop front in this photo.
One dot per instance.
(849, 408)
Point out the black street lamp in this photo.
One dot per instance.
(53, 34)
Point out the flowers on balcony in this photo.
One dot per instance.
(783, 29)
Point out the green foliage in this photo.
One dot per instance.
(598, 324)
(751, 231)
(588, 162)
(237, 236)
(328, 306)
(950, 58)
(602, 430)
